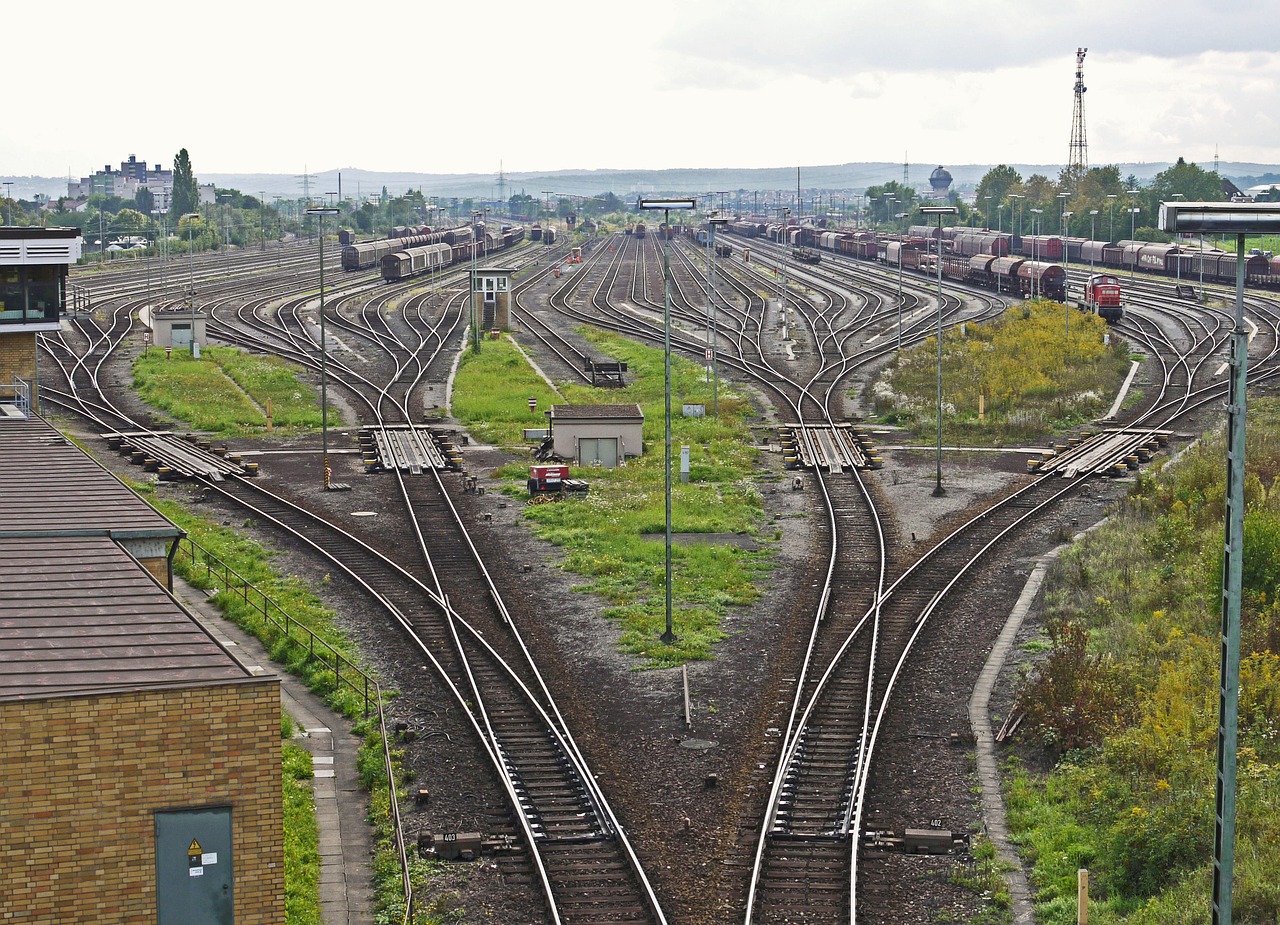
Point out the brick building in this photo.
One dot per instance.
(139, 761)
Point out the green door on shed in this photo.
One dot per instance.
(194, 883)
(598, 451)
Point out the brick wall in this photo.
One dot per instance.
(81, 779)
(18, 361)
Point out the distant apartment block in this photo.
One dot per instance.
(132, 176)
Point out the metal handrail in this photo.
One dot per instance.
(288, 625)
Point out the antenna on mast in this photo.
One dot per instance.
(1078, 159)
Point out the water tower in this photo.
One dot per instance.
(940, 181)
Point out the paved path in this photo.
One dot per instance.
(988, 763)
(346, 843)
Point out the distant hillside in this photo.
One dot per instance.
(853, 178)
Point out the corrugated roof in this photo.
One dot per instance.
(576, 412)
(77, 614)
(49, 487)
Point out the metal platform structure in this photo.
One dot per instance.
(179, 455)
(407, 447)
(1114, 451)
(832, 447)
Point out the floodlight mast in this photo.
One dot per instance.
(938, 490)
(666, 206)
(1239, 219)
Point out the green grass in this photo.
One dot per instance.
(301, 839)
(227, 391)
(1031, 379)
(612, 536)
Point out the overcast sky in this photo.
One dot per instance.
(458, 87)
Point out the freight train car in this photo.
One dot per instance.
(415, 261)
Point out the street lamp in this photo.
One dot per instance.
(786, 243)
(1035, 241)
(713, 344)
(324, 349)
(901, 215)
(191, 280)
(666, 206)
(1093, 217)
(1019, 197)
(1111, 209)
(939, 211)
(1066, 303)
(1239, 219)
(8, 196)
(1177, 253)
(1133, 222)
(476, 214)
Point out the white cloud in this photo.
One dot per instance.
(283, 87)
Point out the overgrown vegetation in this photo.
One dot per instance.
(1127, 699)
(613, 536)
(227, 391)
(1032, 378)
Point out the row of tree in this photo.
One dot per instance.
(1079, 203)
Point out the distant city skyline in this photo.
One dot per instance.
(283, 89)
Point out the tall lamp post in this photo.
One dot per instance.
(1093, 218)
(1133, 230)
(1111, 210)
(939, 211)
(190, 218)
(1035, 244)
(475, 313)
(901, 215)
(1066, 303)
(713, 345)
(1019, 197)
(666, 206)
(786, 244)
(324, 350)
(1238, 219)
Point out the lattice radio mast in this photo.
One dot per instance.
(502, 184)
(1078, 162)
(305, 177)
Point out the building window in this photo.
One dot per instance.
(12, 299)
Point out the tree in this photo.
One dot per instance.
(881, 210)
(1192, 183)
(994, 189)
(145, 200)
(186, 198)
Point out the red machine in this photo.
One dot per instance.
(1102, 296)
(547, 478)
(553, 480)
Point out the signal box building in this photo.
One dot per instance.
(33, 298)
(596, 435)
(491, 287)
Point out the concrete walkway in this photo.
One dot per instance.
(985, 748)
(346, 842)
